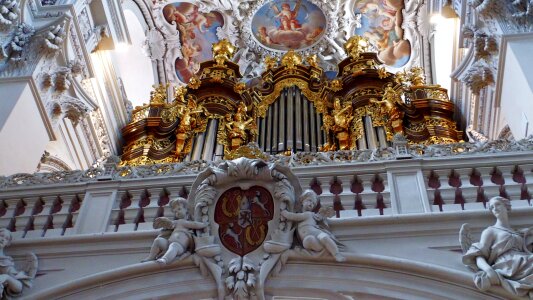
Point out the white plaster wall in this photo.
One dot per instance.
(23, 133)
(517, 88)
(132, 65)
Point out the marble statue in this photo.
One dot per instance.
(12, 280)
(312, 229)
(503, 255)
(176, 236)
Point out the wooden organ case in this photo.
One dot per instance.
(293, 108)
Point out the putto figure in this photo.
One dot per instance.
(312, 227)
(502, 256)
(176, 236)
(12, 280)
(239, 127)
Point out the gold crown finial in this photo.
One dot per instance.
(223, 51)
(291, 59)
(159, 94)
(356, 45)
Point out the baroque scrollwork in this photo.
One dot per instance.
(14, 50)
(9, 11)
(478, 76)
(145, 167)
(53, 38)
(239, 265)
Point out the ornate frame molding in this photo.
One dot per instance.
(332, 26)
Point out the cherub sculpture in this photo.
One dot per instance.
(192, 119)
(502, 256)
(12, 280)
(239, 126)
(176, 236)
(312, 227)
(389, 103)
(342, 117)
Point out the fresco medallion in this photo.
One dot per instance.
(242, 217)
(284, 25)
(381, 23)
(197, 30)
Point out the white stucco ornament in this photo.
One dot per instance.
(245, 215)
(13, 281)
(175, 239)
(503, 255)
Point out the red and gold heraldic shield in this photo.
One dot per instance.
(242, 217)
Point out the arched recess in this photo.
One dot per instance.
(136, 70)
(360, 277)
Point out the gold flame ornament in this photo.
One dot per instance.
(356, 45)
(223, 51)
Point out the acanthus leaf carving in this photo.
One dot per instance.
(9, 11)
(14, 50)
(73, 108)
(154, 44)
(478, 76)
(53, 38)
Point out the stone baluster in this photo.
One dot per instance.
(41, 218)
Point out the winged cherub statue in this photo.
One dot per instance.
(12, 281)
(176, 235)
(312, 227)
(503, 255)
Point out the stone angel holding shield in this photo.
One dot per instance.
(176, 235)
(503, 255)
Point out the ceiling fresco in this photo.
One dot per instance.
(197, 31)
(184, 32)
(381, 23)
(285, 25)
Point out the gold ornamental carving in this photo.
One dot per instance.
(237, 129)
(414, 77)
(140, 113)
(335, 85)
(223, 51)
(251, 151)
(193, 119)
(312, 60)
(355, 46)
(342, 116)
(270, 62)
(291, 59)
(338, 123)
(265, 101)
(194, 82)
(362, 89)
(239, 88)
(159, 94)
(382, 73)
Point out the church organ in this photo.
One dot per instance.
(293, 108)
